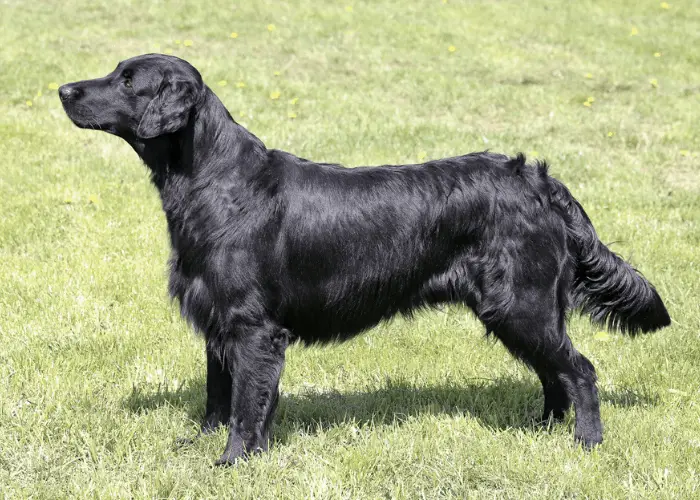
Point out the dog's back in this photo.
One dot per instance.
(359, 245)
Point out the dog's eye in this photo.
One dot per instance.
(127, 82)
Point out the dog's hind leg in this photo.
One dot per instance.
(533, 330)
(556, 399)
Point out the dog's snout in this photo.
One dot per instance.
(68, 92)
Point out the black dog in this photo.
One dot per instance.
(270, 248)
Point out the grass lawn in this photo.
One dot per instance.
(99, 375)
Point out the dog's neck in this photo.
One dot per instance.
(210, 137)
(212, 150)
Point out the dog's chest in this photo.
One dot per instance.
(211, 285)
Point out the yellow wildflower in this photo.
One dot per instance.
(684, 152)
(277, 73)
(177, 42)
(240, 85)
(29, 103)
(53, 86)
(167, 52)
(233, 34)
(271, 27)
(422, 155)
(534, 153)
(451, 48)
(39, 93)
(602, 336)
(665, 5)
(654, 82)
(634, 31)
(93, 199)
(275, 94)
(187, 43)
(657, 54)
(155, 47)
(292, 114)
(610, 134)
(241, 114)
(588, 104)
(348, 8)
(294, 100)
(222, 83)
(589, 75)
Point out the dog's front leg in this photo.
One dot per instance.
(218, 408)
(255, 357)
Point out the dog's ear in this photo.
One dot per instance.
(169, 110)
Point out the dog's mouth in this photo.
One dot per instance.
(82, 116)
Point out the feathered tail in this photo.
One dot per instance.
(605, 286)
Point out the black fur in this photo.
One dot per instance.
(268, 248)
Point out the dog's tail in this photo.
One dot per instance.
(605, 286)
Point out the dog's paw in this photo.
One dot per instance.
(230, 459)
(589, 441)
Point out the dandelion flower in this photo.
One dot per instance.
(294, 101)
(654, 82)
(241, 114)
(610, 134)
(451, 48)
(665, 5)
(591, 99)
(275, 94)
(534, 153)
(684, 152)
(39, 93)
(588, 104)
(240, 85)
(292, 114)
(93, 199)
(589, 75)
(222, 83)
(53, 86)
(233, 34)
(271, 27)
(177, 42)
(187, 43)
(602, 336)
(277, 73)
(167, 52)
(634, 31)
(657, 54)
(348, 8)
(421, 155)
(29, 103)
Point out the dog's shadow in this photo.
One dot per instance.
(498, 404)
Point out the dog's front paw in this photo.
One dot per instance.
(589, 440)
(229, 459)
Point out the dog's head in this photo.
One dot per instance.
(144, 97)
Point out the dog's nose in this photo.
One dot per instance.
(66, 92)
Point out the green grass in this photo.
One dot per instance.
(98, 374)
